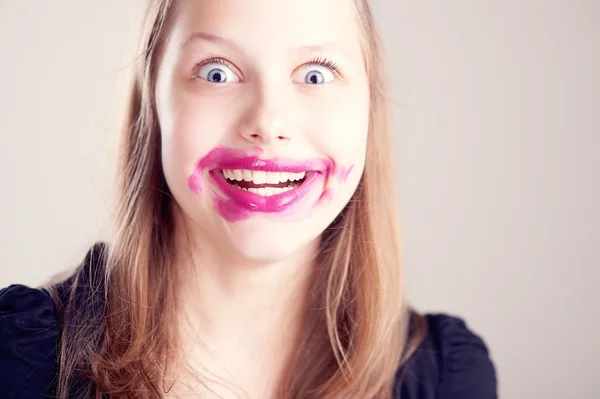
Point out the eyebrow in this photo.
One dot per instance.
(224, 42)
(194, 36)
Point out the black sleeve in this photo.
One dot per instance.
(452, 362)
(467, 371)
(29, 334)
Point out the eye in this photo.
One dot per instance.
(216, 71)
(315, 75)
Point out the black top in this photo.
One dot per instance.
(451, 363)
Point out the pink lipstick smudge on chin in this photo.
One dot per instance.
(326, 196)
(340, 174)
(195, 182)
(229, 212)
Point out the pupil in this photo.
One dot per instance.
(216, 76)
(315, 78)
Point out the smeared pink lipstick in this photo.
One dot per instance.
(237, 204)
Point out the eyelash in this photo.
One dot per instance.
(210, 60)
(326, 63)
(315, 61)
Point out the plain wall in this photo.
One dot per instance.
(497, 108)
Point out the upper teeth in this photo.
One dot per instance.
(262, 177)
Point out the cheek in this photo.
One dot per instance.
(340, 130)
(191, 127)
(186, 136)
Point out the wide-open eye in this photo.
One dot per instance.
(314, 75)
(217, 72)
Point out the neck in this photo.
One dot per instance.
(233, 302)
(241, 319)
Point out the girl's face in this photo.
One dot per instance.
(263, 108)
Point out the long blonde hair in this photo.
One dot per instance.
(355, 332)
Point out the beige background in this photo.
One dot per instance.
(498, 135)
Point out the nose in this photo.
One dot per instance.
(265, 119)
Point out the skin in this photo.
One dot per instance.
(250, 278)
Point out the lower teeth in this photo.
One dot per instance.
(266, 191)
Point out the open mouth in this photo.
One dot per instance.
(264, 183)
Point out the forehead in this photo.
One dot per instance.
(271, 25)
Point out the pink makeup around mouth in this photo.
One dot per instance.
(237, 204)
(342, 174)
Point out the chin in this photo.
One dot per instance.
(267, 242)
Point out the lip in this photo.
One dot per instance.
(273, 165)
(268, 204)
(239, 201)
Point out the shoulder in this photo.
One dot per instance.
(31, 326)
(452, 362)
(29, 336)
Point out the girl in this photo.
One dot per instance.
(255, 251)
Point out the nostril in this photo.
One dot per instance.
(260, 137)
